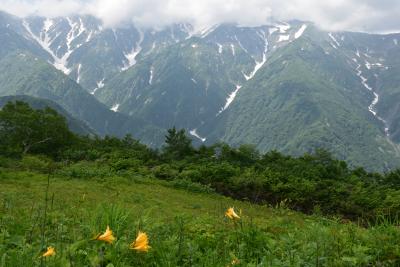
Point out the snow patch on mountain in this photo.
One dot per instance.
(78, 73)
(369, 65)
(261, 63)
(115, 107)
(333, 45)
(89, 37)
(272, 30)
(283, 38)
(233, 49)
(76, 30)
(100, 84)
(151, 75)
(395, 41)
(206, 31)
(240, 44)
(334, 39)
(372, 106)
(283, 28)
(300, 32)
(45, 42)
(47, 36)
(131, 56)
(230, 99)
(220, 47)
(195, 134)
(188, 29)
(48, 23)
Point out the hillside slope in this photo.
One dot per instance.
(307, 96)
(74, 124)
(182, 227)
(24, 74)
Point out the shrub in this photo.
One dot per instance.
(80, 154)
(126, 164)
(165, 172)
(191, 186)
(86, 170)
(7, 162)
(36, 163)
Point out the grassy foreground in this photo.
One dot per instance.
(184, 228)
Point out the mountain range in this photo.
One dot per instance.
(288, 86)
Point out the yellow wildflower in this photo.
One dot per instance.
(235, 261)
(107, 236)
(231, 214)
(50, 252)
(141, 243)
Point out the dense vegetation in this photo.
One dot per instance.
(62, 190)
(184, 228)
(312, 183)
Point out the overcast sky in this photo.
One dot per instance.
(355, 15)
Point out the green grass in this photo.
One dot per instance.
(184, 228)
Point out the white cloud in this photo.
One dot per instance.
(200, 13)
(50, 8)
(364, 15)
(358, 15)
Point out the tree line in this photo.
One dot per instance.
(312, 183)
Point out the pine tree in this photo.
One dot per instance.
(178, 145)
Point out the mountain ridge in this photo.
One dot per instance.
(234, 84)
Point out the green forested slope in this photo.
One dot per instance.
(24, 74)
(75, 125)
(182, 85)
(304, 98)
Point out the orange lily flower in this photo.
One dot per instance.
(50, 252)
(231, 214)
(107, 236)
(141, 243)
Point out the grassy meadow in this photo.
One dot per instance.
(186, 226)
(71, 200)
